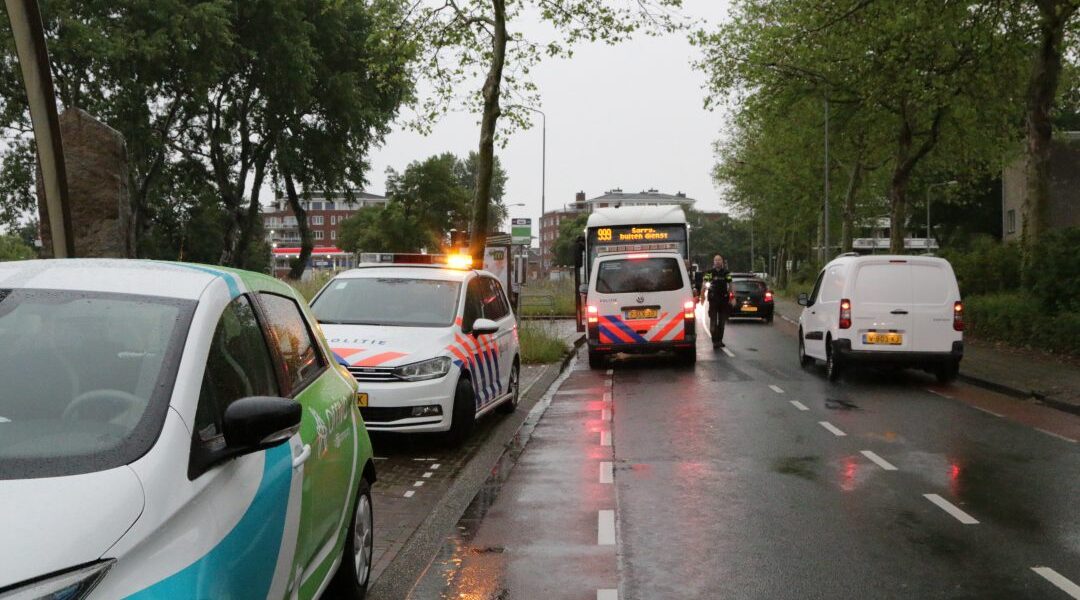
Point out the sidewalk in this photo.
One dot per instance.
(1015, 371)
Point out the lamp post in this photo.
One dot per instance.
(928, 188)
(543, 167)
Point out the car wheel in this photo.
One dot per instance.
(353, 573)
(947, 372)
(687, 357)
(509, 406)
(832, 363)
(805, 360)
(596, 360)
(769, 319)
(463, 415)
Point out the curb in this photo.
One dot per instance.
(424, 543)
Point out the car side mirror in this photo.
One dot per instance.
(804, 300)
(484, 327)
(260, 422)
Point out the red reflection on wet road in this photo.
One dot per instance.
(847, 479)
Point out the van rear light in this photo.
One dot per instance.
(688, 309)
(958, 316)
(594, 315)
(768, 295)
(845, 314)
(637, 256)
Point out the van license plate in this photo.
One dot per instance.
(361, 399)
(885, 339)
(641, 313)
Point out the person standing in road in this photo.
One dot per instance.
(718, 295)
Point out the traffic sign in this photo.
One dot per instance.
(521, 231)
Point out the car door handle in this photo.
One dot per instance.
(301, 458)
(899, 311)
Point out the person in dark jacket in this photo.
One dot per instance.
(718, 294)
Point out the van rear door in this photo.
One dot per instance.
(934, 291)
(881, 317)
(640, 298)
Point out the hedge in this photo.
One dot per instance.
(1019, 319)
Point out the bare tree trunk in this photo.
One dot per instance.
(307, 243)
(897, 212)
(1054, 15)
(847, 234)
(251, 220)
(907, 156)
(486, 162)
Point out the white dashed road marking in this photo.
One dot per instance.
(789, 319)
(607, 472)
(1057, 579)
(607, 396)
(776, 389)
(585, 392)
(427, 475)
(611, 371)
(605, 438)
(435, 467)
(937, 393)
(605, 528)
(989, 412)
(833, 429)
(607, 594)
(605, 415)
(728, 352)
(950, 508)
(799, 405)
(418, 483)
(409, 494)
(1057, 435)
(877, 460)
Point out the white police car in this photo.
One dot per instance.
(174, 431)
(432, 347)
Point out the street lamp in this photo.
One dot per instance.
(928, 188)
(543, 165)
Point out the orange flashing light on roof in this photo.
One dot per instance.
(459, 261)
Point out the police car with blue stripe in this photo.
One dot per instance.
(174, 431)
(432, 342)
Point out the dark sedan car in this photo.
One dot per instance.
(753, 298)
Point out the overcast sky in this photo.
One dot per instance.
(628, 116)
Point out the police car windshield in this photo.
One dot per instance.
(85, 378)
(388, 301)
(633, 275)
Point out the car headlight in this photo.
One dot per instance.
(69, 585)
(426, 369)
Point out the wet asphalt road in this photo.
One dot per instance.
(749, 477)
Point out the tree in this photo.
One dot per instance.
(471, 40)
(385, 229)
(13, 248)
(467, 170)
(565, 248)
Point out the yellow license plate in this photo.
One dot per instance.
(642, 313)
(885, 339)
(749, 308)
(361, 399)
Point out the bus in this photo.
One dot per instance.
(628, 229)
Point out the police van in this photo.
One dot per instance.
(640, 302)
(432, 346)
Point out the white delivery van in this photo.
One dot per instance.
(893, 310)
(640, 302)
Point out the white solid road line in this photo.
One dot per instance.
(728, 352)
(409, 494)
(605, 438)
(877, 460)
(605, 528)
(776, 389)
(607, 472)
(833, 429)
(1057, 435)
(586, 392)
(989, 412)
(1058, 580)
(950, 508)
(799, 405)
(607, 594)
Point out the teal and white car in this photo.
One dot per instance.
(174, 431)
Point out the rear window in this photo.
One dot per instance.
(883, 283)
(930, 284)
(634, 275)
(748, 286)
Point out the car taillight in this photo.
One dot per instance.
(688, 309)
(845, 314)
(768, 296)
(594, 315)
(958, 316)
(731, 295)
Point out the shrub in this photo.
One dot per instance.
(1055, 276)
(539, 343)
(986, 266)
(1019, 319)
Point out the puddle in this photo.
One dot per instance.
(840, 404)
(799, 466)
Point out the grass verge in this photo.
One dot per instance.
(311, 286)
(539, 343)
(548, 299)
